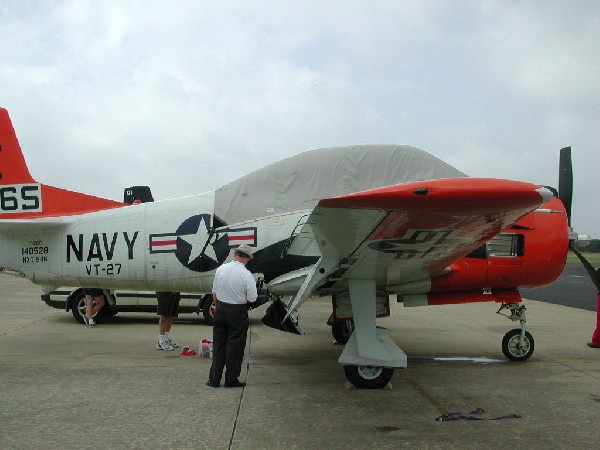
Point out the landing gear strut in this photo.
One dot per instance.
(370, 356)
(517, 344)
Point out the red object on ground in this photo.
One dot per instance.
(596, 336)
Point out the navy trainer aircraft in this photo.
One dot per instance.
(354, 223)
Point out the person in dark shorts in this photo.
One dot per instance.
(167, 309)
(94, 302)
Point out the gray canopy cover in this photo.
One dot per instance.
(299, 182)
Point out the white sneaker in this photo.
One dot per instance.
(166, 345)
(91, 323)
(173, 344)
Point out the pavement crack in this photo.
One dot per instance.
(22, 327)
(426, 395)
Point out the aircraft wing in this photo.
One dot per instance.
(408, 232)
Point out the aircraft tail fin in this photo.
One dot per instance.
(22, 197)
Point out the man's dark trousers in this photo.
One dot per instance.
(230, 328)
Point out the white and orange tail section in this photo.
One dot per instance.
(22, 197)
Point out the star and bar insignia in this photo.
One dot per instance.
(198, 246)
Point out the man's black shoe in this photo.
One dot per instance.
(211, 384)
(236, 383)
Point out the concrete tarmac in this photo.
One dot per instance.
(68, 386)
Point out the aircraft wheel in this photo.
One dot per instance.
(207, 309)
(342, 330)
(512, 348)
(368, 377)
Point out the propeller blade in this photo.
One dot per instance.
(565, 180)
(565, 193)
(593, 273)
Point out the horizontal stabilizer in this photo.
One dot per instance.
(28, 225)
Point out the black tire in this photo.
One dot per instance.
(207, 309)
(368, 377)
(511, 345)
(342, 330)
(78, 307)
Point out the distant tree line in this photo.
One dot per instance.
(594, 247)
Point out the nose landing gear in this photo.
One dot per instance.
(518, 344)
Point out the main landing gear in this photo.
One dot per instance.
(517, 344)
(370, 356)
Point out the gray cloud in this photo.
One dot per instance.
(188, 96)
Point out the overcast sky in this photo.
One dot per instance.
(186, 96)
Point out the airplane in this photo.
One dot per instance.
(357, 223)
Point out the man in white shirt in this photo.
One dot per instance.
(233, 288)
